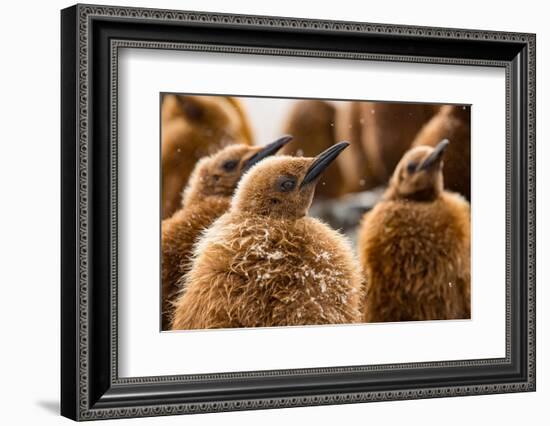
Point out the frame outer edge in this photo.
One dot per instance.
(531, 200)
(69, 267)
(83, 13)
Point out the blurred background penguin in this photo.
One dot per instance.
(381, 133)
(451, 122)
(194, 127)
(311, 122)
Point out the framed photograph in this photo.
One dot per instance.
(263, 212)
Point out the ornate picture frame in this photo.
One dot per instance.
(91, 37)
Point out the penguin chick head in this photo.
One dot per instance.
(218, 174)
(419, 176)
(283, 186)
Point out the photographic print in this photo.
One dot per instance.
(349, 212)
(300, 212)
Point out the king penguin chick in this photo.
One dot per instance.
(414, 246)
(194, 127)
(266, 263)
(207, 196)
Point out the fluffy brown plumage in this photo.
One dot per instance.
(311, 122)
(414, 246)
(451, 122)
(266, 263)
(206, 197)
(194, 127)
(379, 133)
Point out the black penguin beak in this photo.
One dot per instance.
(267, 151)
(435, 157)
(322, 161)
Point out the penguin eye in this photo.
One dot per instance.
(286, 183)
(411, 167)
(230, 165)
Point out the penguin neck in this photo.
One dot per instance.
(197, 197)
(263, 213)
(253, 219)
(273, 216)
(426, 195)
(264, 210)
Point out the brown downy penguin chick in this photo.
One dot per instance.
(207, 196)
(451, 122)
(194, 127)
(414, 246)
(311, 122)
(266, 263)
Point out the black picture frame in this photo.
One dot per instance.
(90, 38)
